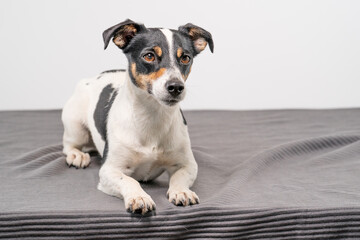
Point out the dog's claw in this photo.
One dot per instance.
(129, 208)
(138, 211)
(182, 202)
(140, 205)
(185, 197)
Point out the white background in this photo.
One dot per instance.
(268, 54)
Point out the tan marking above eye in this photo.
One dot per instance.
(158, 51)
(179, 52)
(142, 80)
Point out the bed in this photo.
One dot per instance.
(276, 174)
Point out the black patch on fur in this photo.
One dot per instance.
(106, 150)
(144, 43)
(110, 71)
(182, 114)
(182, 41)
(113, 71)
(149, 88)
(101, 112)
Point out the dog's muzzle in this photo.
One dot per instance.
(174, 88)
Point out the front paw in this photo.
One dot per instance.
(77, 159)
(140, 204)
(183, 197)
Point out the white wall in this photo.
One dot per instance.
(268, 54)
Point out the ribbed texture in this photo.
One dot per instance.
(206, 223)
(262, 175)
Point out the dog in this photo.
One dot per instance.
(132, 117)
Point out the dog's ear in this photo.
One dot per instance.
(199, 36)
(122, 33)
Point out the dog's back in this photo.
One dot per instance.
(87, 106)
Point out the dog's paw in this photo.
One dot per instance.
(77, 159)
(140, 204)
(183, 197)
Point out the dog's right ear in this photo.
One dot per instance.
(122, 33)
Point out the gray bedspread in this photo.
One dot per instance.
(280, 174)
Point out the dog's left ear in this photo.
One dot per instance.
(122, 33)
(199, 36)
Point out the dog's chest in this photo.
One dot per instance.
(148, 163)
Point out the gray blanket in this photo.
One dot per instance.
(287, 174)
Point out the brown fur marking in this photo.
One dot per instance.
(193, 32)
(143, 80)
(120, 37)
(158, 51)
(179, 52)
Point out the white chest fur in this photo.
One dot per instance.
(145, 139)
(147, 163)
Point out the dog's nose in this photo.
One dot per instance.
(174, 87)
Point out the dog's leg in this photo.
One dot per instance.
(76, 135)
(181, 179)
(114, 182)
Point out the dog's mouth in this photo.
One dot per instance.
(170, 102)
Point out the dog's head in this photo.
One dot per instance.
(159, 59)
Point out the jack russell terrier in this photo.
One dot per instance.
(132, 117)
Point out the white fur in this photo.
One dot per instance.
(144, 138)
(170, 40)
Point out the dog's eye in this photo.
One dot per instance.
(185, 59)
(149, 57)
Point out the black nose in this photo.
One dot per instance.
(174, 87)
